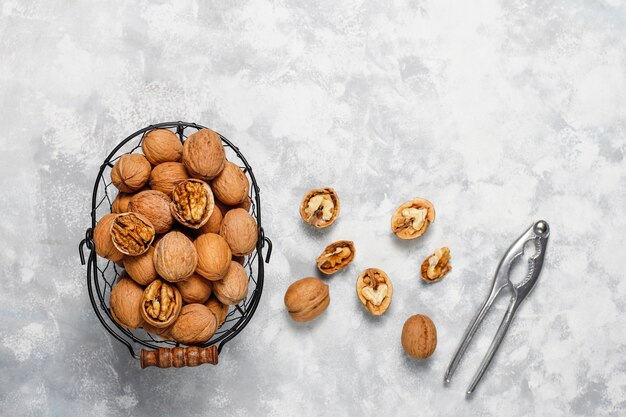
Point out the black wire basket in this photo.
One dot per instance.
(102, 273)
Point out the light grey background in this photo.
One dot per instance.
(500, 112)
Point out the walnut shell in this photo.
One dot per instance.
(162, 333)
(192, 203)
(219, 309)
(132, 233)
(240, 231)
(246, 205)
(125, 302)
(214, 222)
(161, 304)
(419, 336)
(175, 257)
(374, 290)
(131, 172)
(162, 145)
(411, 219)
(234, 286)
(155, 205)
(141, 268)
(320, 207)
(203, 154)
(336, 256)
(195, 289)
(306, 299)
(102, 239)
(120, 204)
(231, 186)
(214, 256)
(195, 324)
(165, 176)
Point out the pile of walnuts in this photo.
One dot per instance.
(181, 228)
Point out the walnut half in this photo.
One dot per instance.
(320, 207)
(412, 218)
(336, 256)
(161, 304)
(132, 233)
(436, 266)
(192, 203)
(374, 290)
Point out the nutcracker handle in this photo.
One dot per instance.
(178, 357)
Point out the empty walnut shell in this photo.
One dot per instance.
(195, 289)
(195, 324)
(175, 257)
(412, 218)
(240, 231)
(165, 176)
(233, 287)
(103, 241)
(214, 223)
(192, 203)
(161, 304)
(203, 154)
(231, 186)
(125, 302)
(141, 268)
(306, 299)
(419, 336)
(219, 309)
(162, 145)
(320, 207)
(155, 205)
(120, 204)
(214, 256)
(130, 173)
(336, 256)
(374, 290)
(132, 233)
(437, 265)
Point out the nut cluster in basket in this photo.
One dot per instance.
(180, 226)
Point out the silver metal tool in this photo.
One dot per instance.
(539, 232)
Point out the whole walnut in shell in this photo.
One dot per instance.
(125, 302)
(231, 186)
(192, 203)
(195, 289)
(102, 239)
(320, 207)
(306, 299)
(161, 304)
(162, 333)
(141, 268)
(233, 287)
(419, 336)
(411, 219)
(120, 204)
(218, 308)
(214, 256)
(162, 145)
(175, 257)
(130, 173)
(214, 223)
(195, 324)
(240, 231)
(132, 233)
(203, 154)
(155, 206)
(165, 176)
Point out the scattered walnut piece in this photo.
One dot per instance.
(320, 207)
(336, 256)
(436, 266)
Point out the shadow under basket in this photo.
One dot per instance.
(102, 273)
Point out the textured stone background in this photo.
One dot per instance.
(500, 112)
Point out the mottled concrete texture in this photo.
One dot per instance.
(500, 112)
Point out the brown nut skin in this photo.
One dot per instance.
(336, 256)
(240, 231)
(233, 287)
(141, 268)
(203, 154)
(400, 225)
(102, 239)
(177, 300)
(440, 269)
(162, 145)
(374, 290)
(231, 186)
(120, 204)
(165, 176)
(195, 289)
(132, 233)
(130, 173)
(125, 302)
(175, 257)
(195, 324)
(319, 218)
(192, 203)
(306, 299)
(218, 308)
(419, 336)
(214, 256)
(155, 205)
(214, 223)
